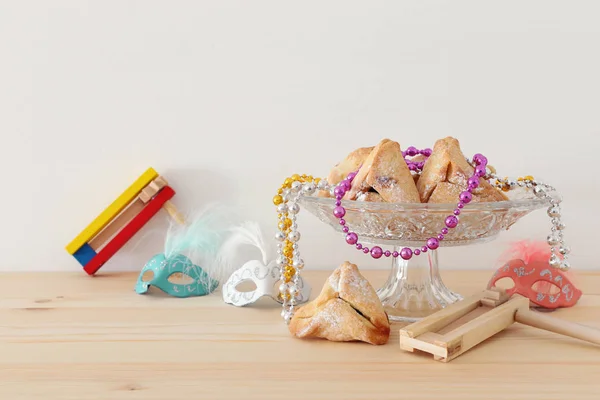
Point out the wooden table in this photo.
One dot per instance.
(72, 336)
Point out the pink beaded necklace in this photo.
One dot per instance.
(289, 261)
(432, 243)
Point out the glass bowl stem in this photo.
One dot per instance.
(414, 288)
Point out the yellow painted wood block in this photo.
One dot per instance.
(112, 210)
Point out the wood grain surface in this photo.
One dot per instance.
(80, 337)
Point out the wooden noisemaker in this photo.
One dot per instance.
(156, 186)
(133, 209)
(459, 327)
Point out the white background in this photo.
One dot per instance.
(227, 98)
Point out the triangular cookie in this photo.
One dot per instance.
(445, 176)
(347, 309)
(386, 172)
(349, 164)
(372, 197)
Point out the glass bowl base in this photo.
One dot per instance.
(414, 289)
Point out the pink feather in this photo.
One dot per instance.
(526, 250)
(532, 251)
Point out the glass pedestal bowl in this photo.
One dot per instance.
(414, 288)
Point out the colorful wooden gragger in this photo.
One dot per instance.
(121, 220)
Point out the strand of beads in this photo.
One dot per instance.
(413, 151)
(288, 236)
(559, 251)
(432, 243)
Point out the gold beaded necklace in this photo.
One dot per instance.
(288, 259)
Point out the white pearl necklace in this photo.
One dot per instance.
(556, 238)
(288, 291)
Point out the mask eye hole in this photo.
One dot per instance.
(545, 288)
(148, 276)
(246, 286)
(505, 283)
(180, 279)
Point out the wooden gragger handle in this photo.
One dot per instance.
(538, 320)
(173, 212)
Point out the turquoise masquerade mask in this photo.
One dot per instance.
(176, 270)
(163, 268)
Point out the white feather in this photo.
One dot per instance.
(201, 237)
(247, 233)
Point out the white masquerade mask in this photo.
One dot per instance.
(266, 279)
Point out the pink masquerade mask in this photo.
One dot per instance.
(526, 276)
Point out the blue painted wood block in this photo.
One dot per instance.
(84, 254)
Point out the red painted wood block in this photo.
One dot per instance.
(129, 230)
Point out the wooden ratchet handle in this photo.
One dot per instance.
(541, 321)
(172, 210)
